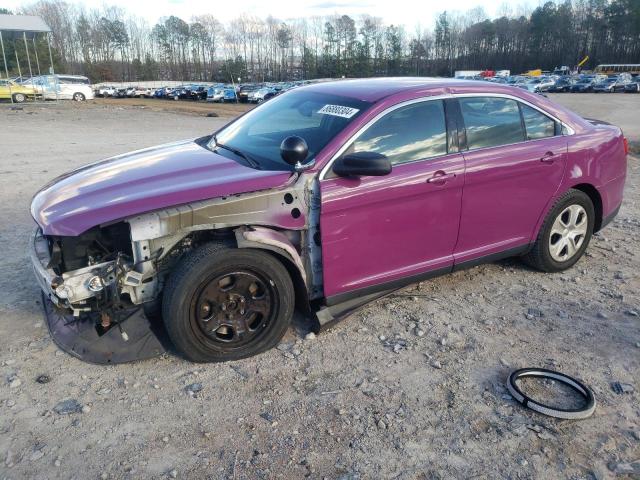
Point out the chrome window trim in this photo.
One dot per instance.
(361, 130)
(521, 100)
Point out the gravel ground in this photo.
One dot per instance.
(410, 387)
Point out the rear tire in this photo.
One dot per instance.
(19, 97)
(565, 233)
(223, 303)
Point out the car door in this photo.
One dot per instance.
(381, 232)
(4, 89)
(515, 162)
(65, 89)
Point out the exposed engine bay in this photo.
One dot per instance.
(112, 276)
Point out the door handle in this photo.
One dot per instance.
(440, 177)
(548, 157)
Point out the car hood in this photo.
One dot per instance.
(140, 182)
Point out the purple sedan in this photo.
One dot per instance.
(321, 199)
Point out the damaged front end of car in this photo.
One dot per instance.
(92, 292)
(103, 288)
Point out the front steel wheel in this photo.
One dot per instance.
(222, 303)
(565, 233)
(234, 308)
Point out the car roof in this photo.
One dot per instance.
(375, 89)
(399, 89)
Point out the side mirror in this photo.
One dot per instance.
(362, 164)
(294, 150)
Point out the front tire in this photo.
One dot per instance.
(565, 233)
(79, 97)
(223, 303)
(19, 98)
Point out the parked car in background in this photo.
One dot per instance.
(321, 199)
(632, 87)
(198, 92)
(182, 92)
(164, 92)
(62, 87)
(105, 91)
(262, 94)
(612, 84)
(10, 90)
(583, 85)
(140, 92)
(215, 94)
(245, 90)
(538, 84)
(561, 85)
(229, 95)
(120, 92)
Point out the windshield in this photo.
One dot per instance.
(316, 117)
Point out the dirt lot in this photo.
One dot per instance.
(411, 387)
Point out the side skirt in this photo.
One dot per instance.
(338, 307)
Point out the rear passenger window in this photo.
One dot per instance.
(491, 121)
(537, 124)
(414, 132)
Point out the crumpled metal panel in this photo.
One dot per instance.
(78, 336)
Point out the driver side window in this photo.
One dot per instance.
(413, 132)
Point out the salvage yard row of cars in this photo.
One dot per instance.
(219, 93)
(78, 88)
(259, 92)
(581, 83)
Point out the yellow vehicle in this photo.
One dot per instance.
(534, 73)
(12, 90)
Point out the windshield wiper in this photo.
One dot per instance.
(253, 163)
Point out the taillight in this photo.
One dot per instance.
(626, 145)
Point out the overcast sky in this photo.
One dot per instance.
(406, 12)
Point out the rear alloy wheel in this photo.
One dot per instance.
(568, 233)
(19, 98)
(565, 233)
(226, 303)
(79, 97)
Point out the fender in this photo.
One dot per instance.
(269, 239)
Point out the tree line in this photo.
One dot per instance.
(109, 44)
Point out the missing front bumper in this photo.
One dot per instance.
(133, 336)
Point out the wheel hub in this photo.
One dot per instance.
(233, 308)
(568, 232)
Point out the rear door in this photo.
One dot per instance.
(381, 232)
(515, 162)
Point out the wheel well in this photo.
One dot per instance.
(302, 298)
(596, 199)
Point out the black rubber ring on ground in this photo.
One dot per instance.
(581, 388)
